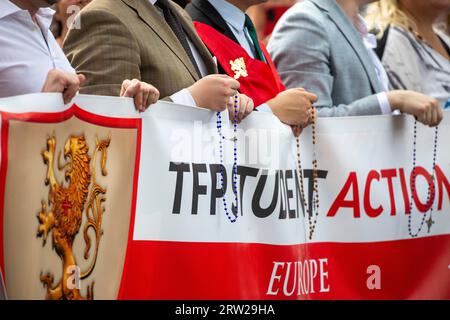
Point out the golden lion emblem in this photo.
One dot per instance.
(67, 204)
(239, 68)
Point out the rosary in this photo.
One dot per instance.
(232, 217)
(430, 196)
(312, 221)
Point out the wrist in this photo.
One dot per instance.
(191, 90)
(395, 100)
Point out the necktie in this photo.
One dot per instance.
(252, 32)
(177, 29)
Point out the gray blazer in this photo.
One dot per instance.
(316, 47)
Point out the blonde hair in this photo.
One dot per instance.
(387, 12)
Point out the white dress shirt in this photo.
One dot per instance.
(184, 96)
(235, 19)
(28, 50)
(370, 42)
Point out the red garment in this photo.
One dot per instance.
(262, 82)
(272, 16)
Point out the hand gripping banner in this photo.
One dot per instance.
(100, 202)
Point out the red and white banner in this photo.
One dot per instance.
(179, 242)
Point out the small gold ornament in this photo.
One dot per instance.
(239, 68)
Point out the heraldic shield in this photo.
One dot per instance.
(68, 184)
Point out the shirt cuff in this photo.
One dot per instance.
(384, 103)
(183, 97)
(264, 108)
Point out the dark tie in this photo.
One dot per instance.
(252, 32)
(177, 28)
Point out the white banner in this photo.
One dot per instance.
(372, 156)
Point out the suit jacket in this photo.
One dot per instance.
(315, 46)
(202, 11)
(127, 39)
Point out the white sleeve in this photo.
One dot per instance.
(264, 108)
(183, 97)
(384, 103)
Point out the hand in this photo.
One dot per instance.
(144, 94)
(293, 106)
(425, 109)
(66, 83)
(297, 130)
(245, 106)
(214, 91)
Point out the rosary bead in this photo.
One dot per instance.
(413, 189)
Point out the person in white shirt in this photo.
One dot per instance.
(31, 60)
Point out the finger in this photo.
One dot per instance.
(81, 79)
(125, 85)
(249, 108)
(130, 91)
(139, 100)
(53, 82)
(135, 91)
(145, 99)
(232, 93)
(308, 95)
(420, 118)
(133, 88)
(437, 112)
(152, 95)
(434, 116)
(309, 120)
(423, 118)
(231, 113)
(230, 103)
(429, 116)
(155, 95)
(307, 110)
(306, 117)
(152, 98)
(72, 86)
(242, 107)
(233, 84)
(296, 130)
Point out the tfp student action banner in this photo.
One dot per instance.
(100, 202)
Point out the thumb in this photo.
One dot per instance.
(297, 130)
(230, 103)
(81, 78)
